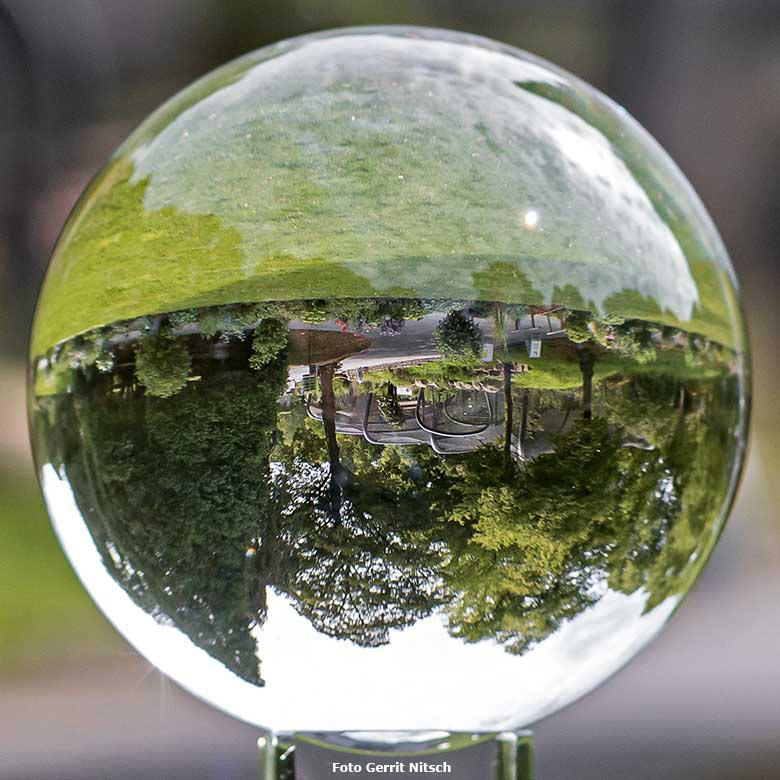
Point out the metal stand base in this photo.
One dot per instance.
(409, 755)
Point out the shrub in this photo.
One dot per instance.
(635, 341)
(210, 322)
(162, 365)
(182, 318)
(577, 326)
(269, 340)
(458, 337)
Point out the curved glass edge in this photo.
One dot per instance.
(412, 754)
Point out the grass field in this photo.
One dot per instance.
(43, 607)
(558, 367)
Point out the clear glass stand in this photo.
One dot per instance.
(409, 755)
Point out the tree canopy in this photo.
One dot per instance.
(199, 502)
(173, 491)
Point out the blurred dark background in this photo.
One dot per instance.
(703, 702)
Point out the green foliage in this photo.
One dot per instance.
(366, 563)
(700, 452)
(183, 317)
(387, 401)
(647, 405)
(46, 610)
(458, 337)
(365, 539)
(175, 492)
(230, 322)
(540, 540)
(361, 313)
(86, 349)
(162, 365)
(576, 325)
(210, 322)
(635, 340)
(269, 340)
(536, 537)
(525, 546)
(442, 372)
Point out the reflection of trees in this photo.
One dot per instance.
(172, 491)
(337, 476)
(541, 536)
(586, 368)
(508, 412)
(162, 365)
(699, 455)
(538, 541)
(194, 523)
(362, 565)
(202, 501)
(366, 561)
(458, 337)
(527, 545)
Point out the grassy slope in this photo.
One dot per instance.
(43, 608)
(361, 192)
(558, 367)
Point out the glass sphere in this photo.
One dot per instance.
(389, 378)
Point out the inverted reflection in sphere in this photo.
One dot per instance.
(389, 379)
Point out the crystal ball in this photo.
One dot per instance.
(389, 378)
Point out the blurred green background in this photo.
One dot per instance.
(702, 75)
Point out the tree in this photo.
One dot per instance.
(337, 475)
(699, 452)
(162, 365)
(386, 314)
(458, 337)
(388, 404)
(576, 324)
(199, 506)
(366, 562)
(176, 494)
(269, 340)
(586, 359)
(508, 412)
(540, 536)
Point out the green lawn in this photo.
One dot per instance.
(292, 183)
(44, 610)
(558, 367)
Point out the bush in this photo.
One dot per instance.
(635, 341)
(162, 365)
(210, 322)
(315, 311)
(458, 337)
(270, 339)
(577, 326)
(182, 318)
(387, 402)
